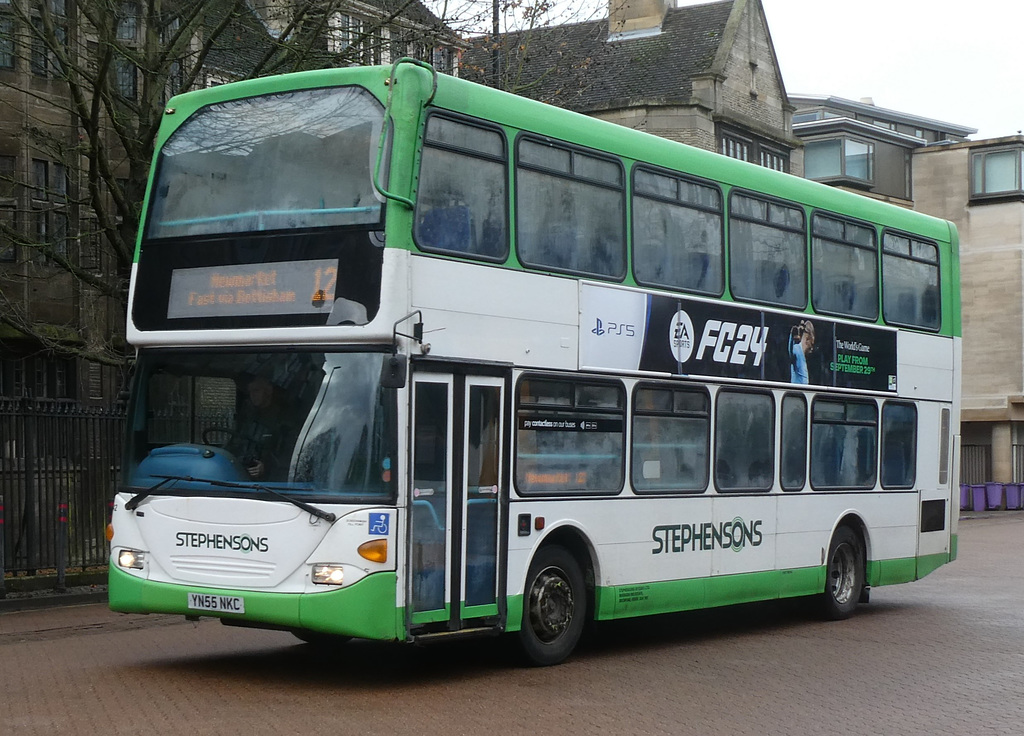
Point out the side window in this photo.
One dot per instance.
(462, 199)
(671, 436)
(899, 445)
(570, 437)
(767, 252)
(793, 452)
(844, 268)
(677, 234)
(570, 210)
(844, 444)
(944, 447)
(744, 441)
(910, 282)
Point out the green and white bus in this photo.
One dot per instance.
(419, 359)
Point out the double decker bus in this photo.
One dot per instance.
(419, 359)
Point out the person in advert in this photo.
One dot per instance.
(801, 345)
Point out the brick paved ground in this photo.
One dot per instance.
(944, 655)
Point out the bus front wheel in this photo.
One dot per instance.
(554, 607)
(844, 575)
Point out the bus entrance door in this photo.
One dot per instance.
(456, 504)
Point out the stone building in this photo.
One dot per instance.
(978, 186)
(706, 75)
(931, 166)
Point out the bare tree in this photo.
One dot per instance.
(89, 84)
(537, 48)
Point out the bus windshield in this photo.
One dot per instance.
(313, 424)
(300, 159)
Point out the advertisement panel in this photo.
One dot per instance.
(631, 330)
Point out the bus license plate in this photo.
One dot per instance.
(219, 603)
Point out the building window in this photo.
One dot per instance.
(773, 160)
(735, 148)
(125, 76)
(739, 145)
(343, 31)
(8, 230)
(7, 43)
(39, 58)
(996, 172)
(40, 178)
(8, 183)
(128, 23)
(60, 234)
(840, 158)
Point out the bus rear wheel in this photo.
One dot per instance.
(844, 575)
(554, 607)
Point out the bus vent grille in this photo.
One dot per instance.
(219, 566)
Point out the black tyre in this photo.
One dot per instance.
(844, 575)
(554, 607)
(320, 639)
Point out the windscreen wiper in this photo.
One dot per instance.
(318, 513)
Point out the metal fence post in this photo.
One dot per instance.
(30, 508)
(62, 543)
(3, 541)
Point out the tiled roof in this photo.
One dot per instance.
(576, 67)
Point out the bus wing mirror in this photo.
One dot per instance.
(394, 371)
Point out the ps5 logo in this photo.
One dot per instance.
(613, 328)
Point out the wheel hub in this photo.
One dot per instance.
(551, 604)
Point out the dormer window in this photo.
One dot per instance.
(845, 159)
(996, 172)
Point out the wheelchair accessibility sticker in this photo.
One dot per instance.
(380, 524)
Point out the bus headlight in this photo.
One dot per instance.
(327, 573)
(131, 558)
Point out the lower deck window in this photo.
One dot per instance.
(744, 441)
(670, 440)
(844, 444)
(570, 437)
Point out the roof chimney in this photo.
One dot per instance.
(632, 18)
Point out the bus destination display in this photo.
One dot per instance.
(287, 287)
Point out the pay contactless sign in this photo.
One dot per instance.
(631, 330)
(287, 287)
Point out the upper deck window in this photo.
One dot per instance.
(910, 282)
(844, 268)
(768, 254)
(571, 210)
(462, 201)
(677, 233)
(294, 160)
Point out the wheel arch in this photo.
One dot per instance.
(578, 543)
(856, 523)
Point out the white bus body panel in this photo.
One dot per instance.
(473, 322)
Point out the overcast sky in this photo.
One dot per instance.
(958, 62)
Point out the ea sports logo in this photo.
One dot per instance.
(680, 336)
